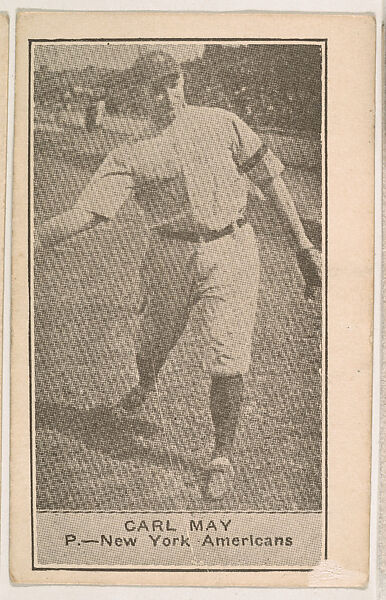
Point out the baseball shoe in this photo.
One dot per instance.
(220, 478)
(135, 414)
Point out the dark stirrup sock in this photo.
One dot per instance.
(226, 397)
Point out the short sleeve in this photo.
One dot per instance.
(245, 143)
(110, 186)
(252, 155)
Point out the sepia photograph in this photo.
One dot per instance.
(177, 206)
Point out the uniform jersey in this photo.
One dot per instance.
(190, 175)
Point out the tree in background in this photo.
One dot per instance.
(269, 86)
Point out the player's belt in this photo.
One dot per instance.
(205, 236)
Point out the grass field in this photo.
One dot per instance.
(88, 457)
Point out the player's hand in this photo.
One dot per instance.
(310, 265)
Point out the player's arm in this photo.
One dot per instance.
(108, 189)
(263, 168)
(66, 225)
(267, 175)
(276, 190)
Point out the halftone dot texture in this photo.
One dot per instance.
(251, 539)
(88, 289)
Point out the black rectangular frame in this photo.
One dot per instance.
(30, 294)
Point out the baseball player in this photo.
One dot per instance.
(189, 177)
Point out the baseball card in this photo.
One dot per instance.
(192, 299)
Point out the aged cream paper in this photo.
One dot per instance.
(4, 25)
(101, 493)
(382, 464)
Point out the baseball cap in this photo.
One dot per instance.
(155, 65)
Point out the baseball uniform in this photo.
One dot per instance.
(202, 255)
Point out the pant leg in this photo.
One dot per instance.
(227, 273)
(167, 280)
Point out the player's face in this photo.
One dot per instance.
(164, 98)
